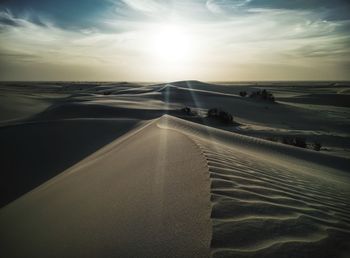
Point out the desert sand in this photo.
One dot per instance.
(119, 170)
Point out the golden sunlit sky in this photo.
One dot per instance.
(149, 40)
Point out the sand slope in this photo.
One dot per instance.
(263, 205)
(116, 184)
(140, 196)
(148, 194)
(34, 152)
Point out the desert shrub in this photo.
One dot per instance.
(287, 140)
(272, 139)
(187, 111)
(213, 112)
(263, 95)
(220, 115)
(316, 146)
(242, 93)
(300, 142)
(295, 141)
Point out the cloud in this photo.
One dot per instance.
(66, 14)
(144, 5)
(330, 10)
(221, 6)
(226, 34)
(6, 19)
(299, 4)
(29, 48)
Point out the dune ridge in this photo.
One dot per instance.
(107, 206)
(271, 150)
(121, 179)
(264, 209)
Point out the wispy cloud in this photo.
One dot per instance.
(226, 36)
(6, 19)
(222, 6)
(145, 5)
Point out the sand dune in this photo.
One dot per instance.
(322, 99)
(270, 209)
(118, 170)
(34, 152)
(140, 196)
(275, 209)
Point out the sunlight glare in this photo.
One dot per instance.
(171, 44)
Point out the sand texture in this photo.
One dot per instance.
(118, 170)
(271, 209)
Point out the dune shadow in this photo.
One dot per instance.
(32, 153)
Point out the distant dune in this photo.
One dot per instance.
(125, 170)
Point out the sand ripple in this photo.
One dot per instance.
(260, 209)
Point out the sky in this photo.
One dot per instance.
(152, 40)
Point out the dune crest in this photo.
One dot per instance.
(125, 170)
(144, 195)
(265, 209)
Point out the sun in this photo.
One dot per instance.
(171, 44)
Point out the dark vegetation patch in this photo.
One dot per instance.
(213, 114)
(220, 115)
(243, 93)
(296, 141)
(262, 95)
(259, 95)
(187, 111)
(316, 146)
